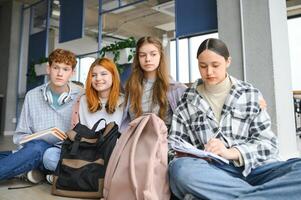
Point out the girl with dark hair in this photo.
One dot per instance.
(221, 114)
(149, 88)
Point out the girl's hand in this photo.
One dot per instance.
(217, 147)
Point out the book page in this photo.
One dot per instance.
(180, 145)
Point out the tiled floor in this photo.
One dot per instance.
(37, 192)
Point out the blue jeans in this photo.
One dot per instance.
(278, 180)
(28, 158)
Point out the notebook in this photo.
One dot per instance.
(52, 136)
(180, 145)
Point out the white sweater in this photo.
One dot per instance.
(89, 119)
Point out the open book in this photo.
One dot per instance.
(180, 145)
(51, 135)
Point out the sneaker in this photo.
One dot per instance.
(34, 176)
(49, 178)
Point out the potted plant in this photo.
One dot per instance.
(121, 52)
(35, 70)
(41, 67)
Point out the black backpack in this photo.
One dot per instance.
(84, 157)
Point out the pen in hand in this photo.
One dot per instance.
(216, 134)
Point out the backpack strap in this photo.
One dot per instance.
(78, 136)
(97, 123)
(75, 145)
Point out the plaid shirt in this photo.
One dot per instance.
(38, 115)
(243, 124)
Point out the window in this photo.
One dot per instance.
(188, 65)
(294, 33)
(82, 69)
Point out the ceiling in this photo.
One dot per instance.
(293, 7)
(150, 17)
(137, 20)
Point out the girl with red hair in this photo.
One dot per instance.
(102, 98)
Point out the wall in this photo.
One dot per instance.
(5, 16)
(12, 75)
(5, 20)
(78, 46)
(9, 60)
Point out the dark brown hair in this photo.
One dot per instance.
(215, 45)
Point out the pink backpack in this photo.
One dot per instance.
(138, 167)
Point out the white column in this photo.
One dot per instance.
(256, 33)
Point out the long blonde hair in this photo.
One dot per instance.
(92, 94)
(134, 85)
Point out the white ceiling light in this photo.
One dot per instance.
(167, 8)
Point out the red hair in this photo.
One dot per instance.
(92, 94)
(62, 56)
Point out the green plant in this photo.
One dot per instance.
(31, 75)
(115, 49)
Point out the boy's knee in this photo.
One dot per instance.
(51, 158)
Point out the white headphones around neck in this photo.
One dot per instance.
(64, 97)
